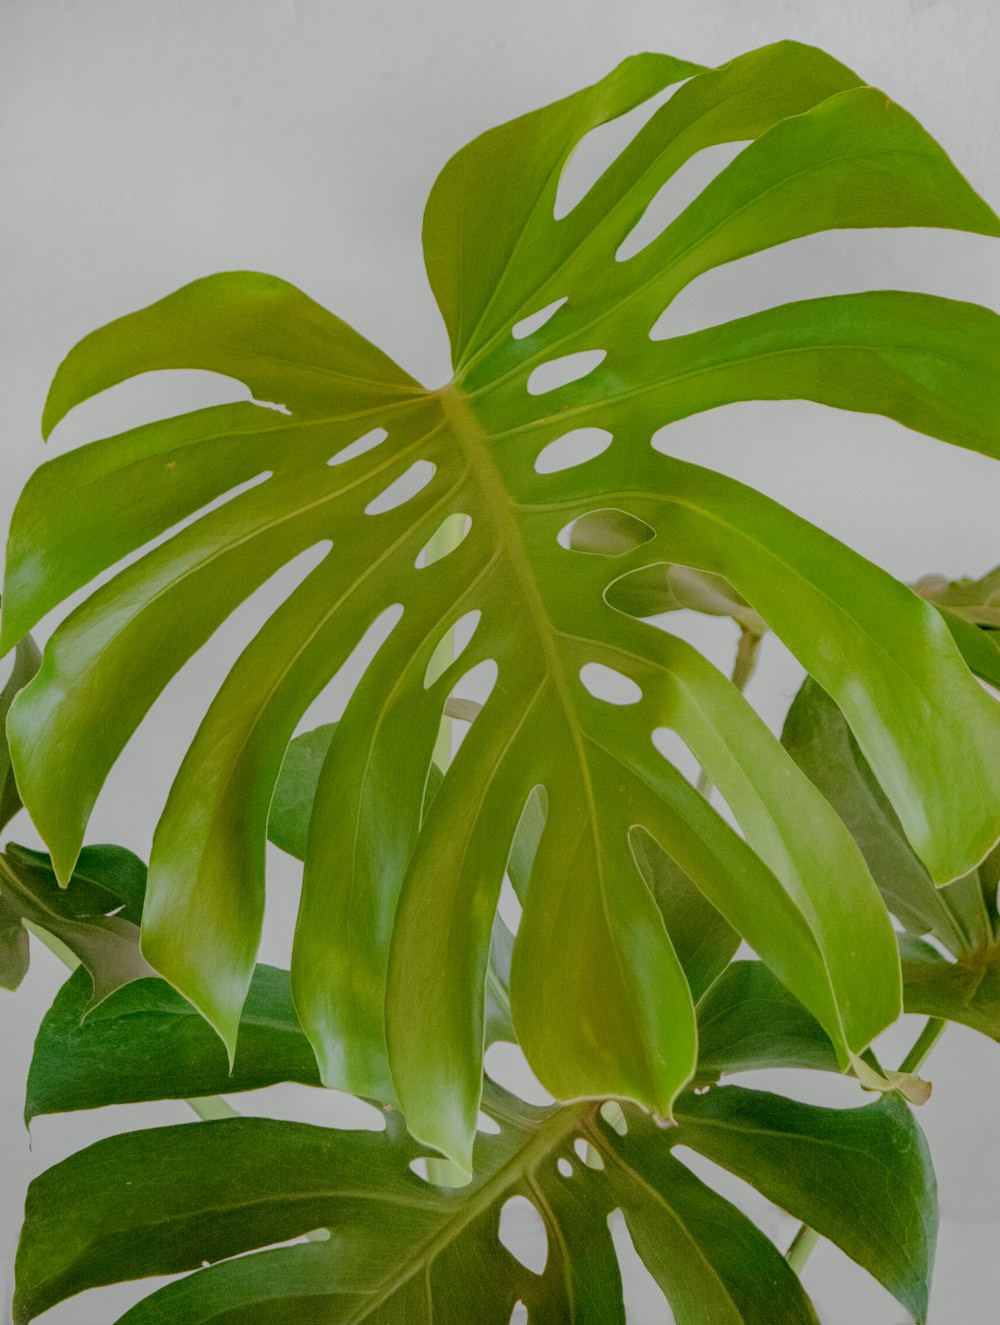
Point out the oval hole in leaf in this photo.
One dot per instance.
(572, 449)
(675, 195)
(403, 489)
(600, 148)
(611, 1112)
(559, 372)
(374, 437)
(451, 533)
(451, 646)
(586, 1154)
(484, 1123)
(606, 684)
(519, 1316)
(522, 1232)
(535, 321)
(564, 1167)
(505, 1063)
(608, 532)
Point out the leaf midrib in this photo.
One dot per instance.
(471, 438)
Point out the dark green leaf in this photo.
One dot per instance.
(860, 1177)
(711, 1261)
(80, 915)
(966, 991)
(749, 1020)
(26, 663)
(820, 741)
(145, 1042)
(172, 1199)
(14, 951)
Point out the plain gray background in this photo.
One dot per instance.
(147, 143)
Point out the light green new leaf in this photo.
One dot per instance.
(391, 952)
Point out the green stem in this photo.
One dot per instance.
(924, 1043)
(801, 1245)
(744, 665)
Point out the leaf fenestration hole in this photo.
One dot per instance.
(608, 685)
(676, 194)
(519, 1316)
(554, 373)
(451, 646)
(330, 704)
(486, 1124)
(535, 321)
(509, 905)
(360, 446)
(468, 695)
(450, 534)
(587, 1155)
(564, 1167)
(572, 449)
(522, 1232)
(505, 1063)
(403, 489)
(643, 1296)
(675, 750)
(598, 149)
(611, 1112)
(609, 532)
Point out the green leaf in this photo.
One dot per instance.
(14, 949)
(860, 1177)
(87, 916)
(817, 736)
(295, 790)
(171, 1199)
(748, 1020)
(708, 1258)
(966, 990)
(975, 601)
(26, 663)
(396, 920)
(145, 1042)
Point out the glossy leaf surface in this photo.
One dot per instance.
(147, 1043)
(399, 892)
(861, 1177)
(169, 1199)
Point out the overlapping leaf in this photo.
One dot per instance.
(172, 1199)
(399, 894)
(95, 917)
(962, 918)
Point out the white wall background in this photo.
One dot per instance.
(144, 144)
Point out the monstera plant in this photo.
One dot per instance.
(520, 525)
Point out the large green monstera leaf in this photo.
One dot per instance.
(386, 1244)
(399, 890)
